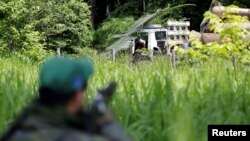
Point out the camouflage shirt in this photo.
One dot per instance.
(39, 123)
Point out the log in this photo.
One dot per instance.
(239, 11)
(204, 37)
(205, 27)
(243, 25)
(219, 9)
(208, 37)
(194, 35)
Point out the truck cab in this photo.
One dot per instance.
(153, 38)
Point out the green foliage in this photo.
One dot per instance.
(232, 36)
(153, 101)
(21, 79)
(128, 9)
(156, 4)
(87, 52)
(29, 27)
(194, 14)
(171, 12)
(32, 49)
(24, 43)
(66, 25)
(105, 35)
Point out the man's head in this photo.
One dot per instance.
(63, 82)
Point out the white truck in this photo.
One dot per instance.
(153, 38)
(158, 39)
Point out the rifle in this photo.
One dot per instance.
(104, 119)
(102, 98)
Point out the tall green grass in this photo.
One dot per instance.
(18, 82)
(153, 101)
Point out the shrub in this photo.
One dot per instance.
(30, 26)
(232, 35)
(104, 36)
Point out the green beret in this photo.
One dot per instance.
(64, 75)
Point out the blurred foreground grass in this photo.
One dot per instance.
(153, 101)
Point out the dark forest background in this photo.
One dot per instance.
(121, 8)
(34, 29)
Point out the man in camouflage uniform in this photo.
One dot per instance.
(57, 115)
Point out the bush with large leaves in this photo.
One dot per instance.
(234, 39)
(64, 24)
(105, 35)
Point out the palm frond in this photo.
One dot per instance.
(124, 41)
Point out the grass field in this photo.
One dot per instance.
(153, 101)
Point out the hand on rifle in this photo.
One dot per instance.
(100, 109)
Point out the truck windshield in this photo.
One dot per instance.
(143, 35)
(160, 35)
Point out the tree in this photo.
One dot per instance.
(67, 25)
(52, 24)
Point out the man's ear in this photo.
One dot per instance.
(79, 92)
(79, 97)
(75, 104)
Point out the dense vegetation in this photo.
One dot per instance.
(153, 101)
(234, 41)
(30, 26)
(121, 8)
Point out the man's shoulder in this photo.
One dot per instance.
(42, 124)
(55, 135)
